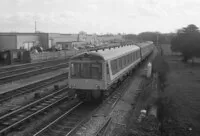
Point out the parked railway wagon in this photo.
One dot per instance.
(93, 73)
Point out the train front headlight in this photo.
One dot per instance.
(97, 86)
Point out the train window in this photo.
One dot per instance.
(115, 61)
(136, 55)
(127, 56)
(133, 56)
(86, 70)
(120, 63)
(75, 68)
(72, 69)
(130, 58)
(96, 71)
(107, 69)
(124, 59)
(114, 66)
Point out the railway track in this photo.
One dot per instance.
(103, 128)
(32, 87)
(15, 118)
(31, 65)
(24, 70)
(67, 123)
(16, 76)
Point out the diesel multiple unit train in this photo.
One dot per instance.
(93, 73)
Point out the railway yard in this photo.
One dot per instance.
(99, 68)
(36, 100)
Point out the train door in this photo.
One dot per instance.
(107, 73)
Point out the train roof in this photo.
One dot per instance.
(109, 54)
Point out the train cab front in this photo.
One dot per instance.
(86, 76)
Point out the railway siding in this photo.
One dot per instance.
(15, 77)
(19, 116)
(21, 83)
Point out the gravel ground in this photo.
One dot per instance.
(121, 110)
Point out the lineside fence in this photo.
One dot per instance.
(54, 55)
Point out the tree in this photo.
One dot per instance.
(163, 38)
(187, 41)
(130, 37)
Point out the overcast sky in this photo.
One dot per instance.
(98, 16)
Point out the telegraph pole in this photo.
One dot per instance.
(35, 27)
(157, 39)
(161, 51)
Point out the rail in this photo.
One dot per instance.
(19, 116)
(31, 87)
(57, 120)
(14, 77)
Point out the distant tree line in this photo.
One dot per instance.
(161, 38)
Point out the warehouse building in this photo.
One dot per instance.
(10, 41)
(63, 41)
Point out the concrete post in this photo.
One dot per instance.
(149, 70)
